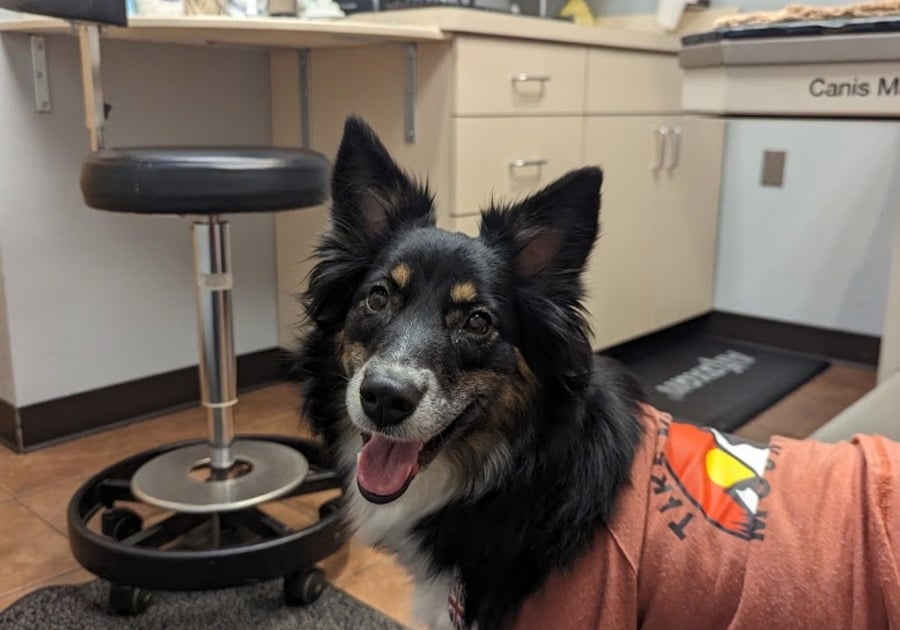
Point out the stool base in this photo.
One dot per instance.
(190, 552)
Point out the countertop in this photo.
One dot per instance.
(409, 25)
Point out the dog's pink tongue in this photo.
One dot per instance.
(385, 466)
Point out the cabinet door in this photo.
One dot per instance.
(688, 221)
(622, 276)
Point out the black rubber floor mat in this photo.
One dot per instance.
(709, 381)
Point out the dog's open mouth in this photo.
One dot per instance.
(385, 467)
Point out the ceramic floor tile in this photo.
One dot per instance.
(31, 549)
(812, 405)
(383, 585)
(51, 503)
(75, 576)
(86, 456)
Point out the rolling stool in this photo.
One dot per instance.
(216, 536)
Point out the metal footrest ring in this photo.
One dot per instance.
(178, 480)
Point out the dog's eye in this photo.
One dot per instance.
(478, 323)
(378, 299)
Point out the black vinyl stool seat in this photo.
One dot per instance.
(203, 180)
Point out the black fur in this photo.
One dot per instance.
(573, 442)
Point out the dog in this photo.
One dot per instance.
(526, 482)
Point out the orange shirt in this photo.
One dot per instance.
(717, 532)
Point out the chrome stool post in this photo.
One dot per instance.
(218, 368)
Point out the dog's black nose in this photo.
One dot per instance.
(388, 399)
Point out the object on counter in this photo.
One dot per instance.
(669, 12)
(283, 8)
(800, 13)
(319, 9)
(204, 7)
(158, 7)
(358, 6)
(579, 12)
(231, 8)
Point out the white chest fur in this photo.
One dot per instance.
(391, 526)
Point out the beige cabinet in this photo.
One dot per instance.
(653, 263)
(499, 118)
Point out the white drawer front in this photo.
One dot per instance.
(509, 77)
(508, 158)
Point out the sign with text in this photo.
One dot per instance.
(853, 90)
(823, 87)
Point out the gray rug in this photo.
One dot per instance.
(257, 607)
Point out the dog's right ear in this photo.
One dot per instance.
(371, 195)
(371, 198)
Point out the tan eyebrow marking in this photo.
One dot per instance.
(463, 292)
(401, 275)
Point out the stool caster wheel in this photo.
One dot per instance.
(120, 523)
(303, 589)
(329, 507)
(128, 600)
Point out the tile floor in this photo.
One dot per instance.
(35, 488)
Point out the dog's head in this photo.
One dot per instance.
(446, 346)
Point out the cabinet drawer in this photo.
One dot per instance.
(620, 82)
(509, 77)
(508, 158)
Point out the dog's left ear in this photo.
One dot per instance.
(371, 195)
(552, 231)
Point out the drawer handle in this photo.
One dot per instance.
(524, 77)
(676, 149)
(523, 163)
(659, 147)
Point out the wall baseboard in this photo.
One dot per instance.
(9, 420)
(824, 342)
(37, 426)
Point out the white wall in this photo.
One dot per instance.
(7, 384)
(817, 250)
(96, 298)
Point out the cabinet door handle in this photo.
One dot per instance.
(524, 77)
(676, 149)
(522, 163)
(659, 147)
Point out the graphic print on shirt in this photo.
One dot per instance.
(721, 475)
